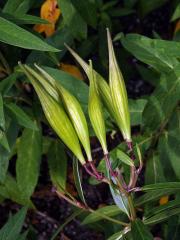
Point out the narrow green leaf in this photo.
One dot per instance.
(97, 215)
(162, 216)
(165, 186)
(72, 19)
(28, 161)
(154, 170)
(14, 35)
(140, 231)
(116, 236)
(77, 179)
(87, 11)
(153, 195)
(57, 162)
(13, 6)
(11, 135)
(7, 83)
(166, 207)
(12, 228)
(20, 116)
(4, 141)
(176, 13)
(2, 119)
(124, 157)
(23, 19)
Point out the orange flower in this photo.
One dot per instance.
(164, 200)
(51, 13)
(71, 69)
(177, 27)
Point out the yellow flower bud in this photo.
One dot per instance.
(55, 115)
(118, 93)
(95, 111)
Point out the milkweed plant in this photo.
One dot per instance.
(66, 117)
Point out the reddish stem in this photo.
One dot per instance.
(108, 163)
(99, 175)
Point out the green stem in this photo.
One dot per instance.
(131, 207)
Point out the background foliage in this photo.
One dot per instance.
(149, 58)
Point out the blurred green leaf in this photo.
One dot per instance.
(165, 186)
(11, 230)
(11, 134)
(153, 195)
(148, 74)
(120, 12)
(152, 51)
(97, 215)
(2, 118)
(21, 117)
(162, 216)
(176, 13)
(166, 207)
(72, 19)
(163, 101)
(14, 35)
(7, 83)
(4, 141)
(140, 231)
(28, 161)
(148, 6)
(23, 19)
(57, 162)
(77, 179)
(154, 171)
(87, 10)
(17, 7)
(136, 108)
(10, 190)
(116, 236)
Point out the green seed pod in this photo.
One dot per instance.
(55, 115)
(95, 111)
(103, 87)
(47, 85)
(74, 111)
(118, 93)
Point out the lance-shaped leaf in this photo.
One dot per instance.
(95, 111)
(74, 111)
(118, 93)
(103, 87)
(56, 116)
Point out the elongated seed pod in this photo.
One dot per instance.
(103, 87)
(74, 111)
(118, 93)
(56, 116)
(95, 111)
